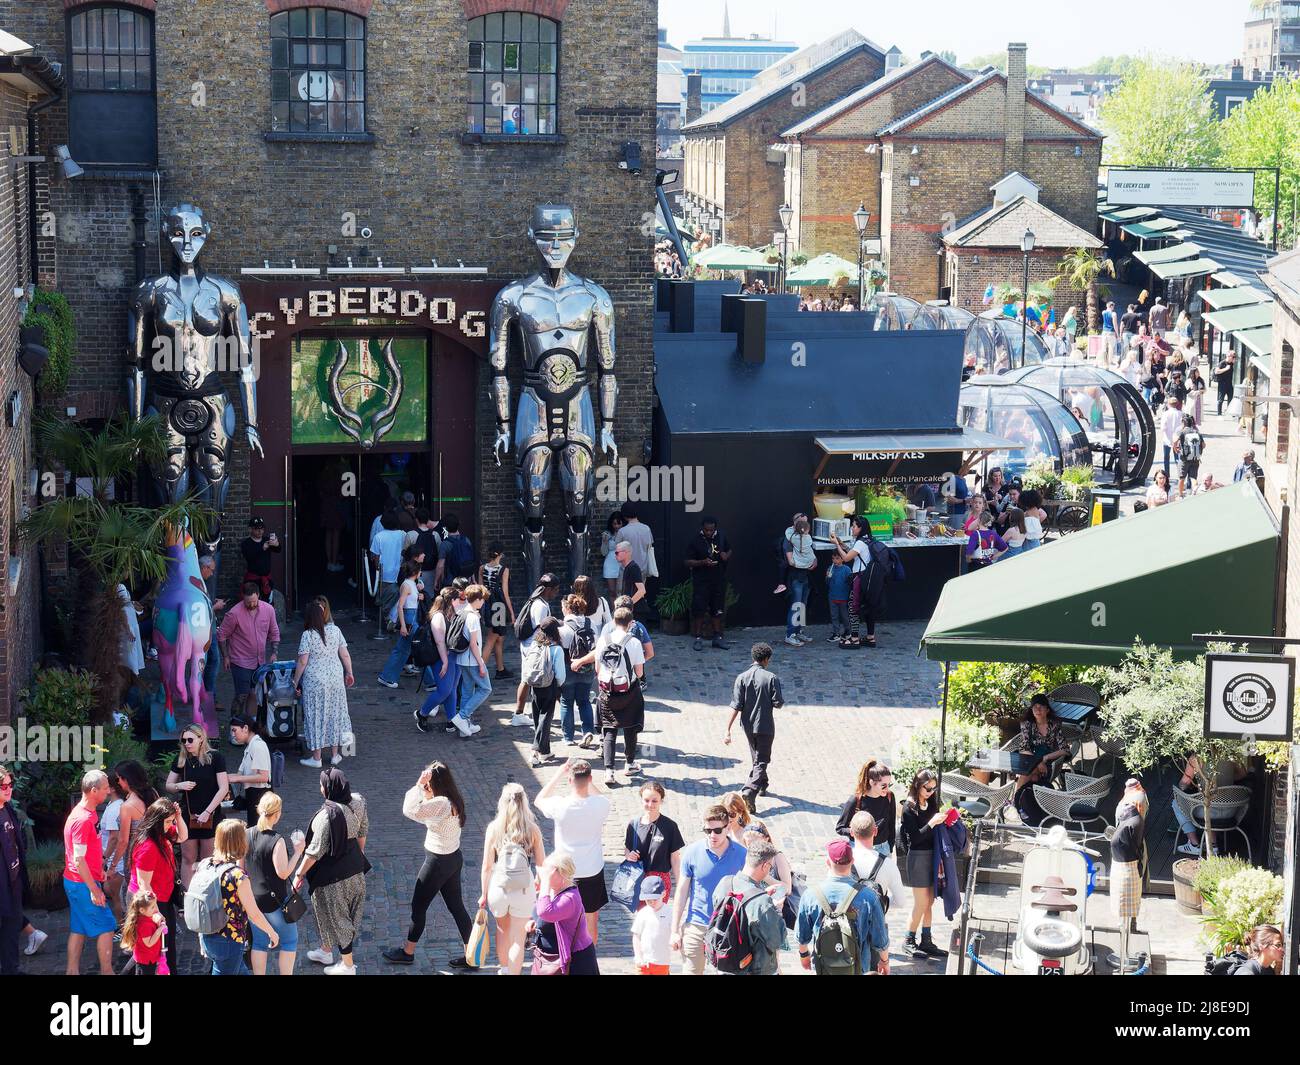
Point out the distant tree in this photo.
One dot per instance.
(948, 56)
(1160, 115)
(1265, 131)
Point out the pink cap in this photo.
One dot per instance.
(840, 852)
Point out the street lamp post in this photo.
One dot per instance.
(860, 219)
(1026, 245)
(786, 214)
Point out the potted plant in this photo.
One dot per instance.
(674, 606)
(1209, 874)
(1185, 893)
(1041, 476)
(1248, 898)
(1077, 483)
(45, 875)
(920, 750)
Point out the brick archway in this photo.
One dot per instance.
(143, 5)
(352, 7)
(553, 9)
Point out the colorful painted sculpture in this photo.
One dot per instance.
(182, 633)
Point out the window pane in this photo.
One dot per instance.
(492, 27)
(546, 28)
(95, 71)
(528, 29)
(111, 24)
(529, 84)
(357, 85)
(298, 22)
(512, 88)
(111, 79)
(79, 31)
(316, 54)
(316, 118)
(492, 57)
(94, 34)
(126, 31)
(334, 23)
(78, 70)
(279, 83)
(354, 27)
(127, 78)
(280, 24)
(280, 116)
(475, 88)
(546, 88)
(510, 26)
(476, 118)
(529, 120)
(475, 55)
(279, 53)
(356, 118)
(528, 59)
(334, 55)
(142, 42)
(546, 120)
(316, 20)
(492, 120)
(546, 58)
(510, 56)
(298, 113)
(299, 54)
(476, 29)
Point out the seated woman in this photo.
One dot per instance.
(1040, 734)
(1187, 784)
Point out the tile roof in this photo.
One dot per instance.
(899, 125)
(1003, 226)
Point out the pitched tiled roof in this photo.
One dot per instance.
(1004, 226)
(867, 91)
(902, 124)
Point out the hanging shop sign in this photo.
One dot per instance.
(885, 467)
(1180, 188)
(1249, 696)
(414, 306)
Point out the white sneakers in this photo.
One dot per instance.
(522, 720)
(465, 728)
(336, 759)
(310, 763)
(34, 942)
(340, 970)
(321, 957)
(610, 781)
(632, 767)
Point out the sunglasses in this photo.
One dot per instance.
(927, 787)
(7, 785)
(188, 740)
(713, 831)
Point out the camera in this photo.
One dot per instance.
(366, 233)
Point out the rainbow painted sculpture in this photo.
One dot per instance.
(182, 633)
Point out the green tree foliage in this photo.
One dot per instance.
(1160, 116)
(1265, 131)
(50, 312)
(997, 693)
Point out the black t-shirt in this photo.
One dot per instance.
(701, 547)
(427, 541)
(200, 797)
(1129, 322)
(656, 843)
(257, 556)
(631, 578)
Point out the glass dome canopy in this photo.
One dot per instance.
(993, 346)
(1120, 426)
(1031, 417)
(928, 316)
(893, 311)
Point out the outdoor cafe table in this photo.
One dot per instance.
(997, 761)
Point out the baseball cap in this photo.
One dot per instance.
(652, 887)
(840, 852)
(256, 523)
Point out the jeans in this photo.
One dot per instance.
(1168, 453)
(798, 593)
(474, 689)
(609, 736)
(444, 690)
(839, 618)
(227, 956)
(212, 667)
(1031, 544)
(440, 875)
(1185, 823)
(286, 930)
(1013, 550)
(393, 667)
(10, 930)
(760, 754)
(544, 700)
(577, 691)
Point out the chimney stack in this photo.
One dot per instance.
(1013, 150)
(694, 108)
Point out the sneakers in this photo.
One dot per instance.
(632, 768)
(834, 637)
(721, 644)
(340, 970)
(927, 949)
(387, 683)
(398, 956)
(588, 740)
(473, 728)
(501, 674)
(459, 724)
(535, 759)
(451, 729)
(794, 641)
(610, 781)
(521, 720)
(410, 671)
(336, 759)
(422, 722)
(321, 957)
(458, 962)
(803, 637)
(699, 643)
(310, 763)
(34, 942)
(1193, 849)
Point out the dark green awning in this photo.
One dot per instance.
(1086, 598)
(1171, 254)
(1220, 299)
(1251, 316)
(1185, 268)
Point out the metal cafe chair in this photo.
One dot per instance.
(1228, 810)
(980, 800)
(1078, 807)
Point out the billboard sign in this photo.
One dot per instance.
(1249, 696)
(1180, 188)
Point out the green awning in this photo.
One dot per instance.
(731, 257)
(1132, 214)
(1180, 234)
(1168, 255)
(1152, 227)
(825, 269)
(1184, 268)
(1228, 279)
(1087, 597)
(1263, 364)
(1260, 341)
(1220, 299)
(1253, 316)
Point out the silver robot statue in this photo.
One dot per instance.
(554, 313)
(185, 328)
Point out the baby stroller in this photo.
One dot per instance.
(279, 710)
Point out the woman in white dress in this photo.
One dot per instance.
(325, 672)
(132, 648)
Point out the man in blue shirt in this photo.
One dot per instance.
(873, 935)
(955, 495)
(705, 864)
(386, 553)
(1109, 331)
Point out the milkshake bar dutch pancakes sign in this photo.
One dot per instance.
(1249, 696)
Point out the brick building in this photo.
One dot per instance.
(1281, 462)
(26, 82)
(734, 165)
(360, 141)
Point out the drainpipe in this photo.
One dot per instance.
(139, 221)
(31, 178)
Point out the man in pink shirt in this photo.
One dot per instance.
(243, 637)
(83, 877)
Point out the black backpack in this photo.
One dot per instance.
(460, 557)
(1227, 965)
(584, 640)
(424, 650)
(524, 626)
(728, 945)
(880, 892)
(457, 638)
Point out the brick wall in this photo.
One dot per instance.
(971, 279)
(19, 623)
(419, 186)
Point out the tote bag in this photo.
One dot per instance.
(476, 949)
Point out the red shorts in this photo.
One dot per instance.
(653, 970)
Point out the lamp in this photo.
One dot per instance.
(786, 213)
(69, 165)
(860, 219)
(1026, 246)
(916, 150)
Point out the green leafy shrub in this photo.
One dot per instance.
(50, 312)
(674, 601)
(872, 502)
(59, 697)
(1077, 482)
(921, 748)
(997, 693)
(1042, 477)
(1248, 898)
(1213, 871)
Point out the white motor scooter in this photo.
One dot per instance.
(1052, 932)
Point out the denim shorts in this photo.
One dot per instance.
(286, 930)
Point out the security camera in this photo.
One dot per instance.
(366, 233)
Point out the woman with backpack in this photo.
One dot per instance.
(494, 575)
(564, 945)
(543, 670)
(221, 886)
(867, 598)
(576, 691)
(436, 803)
(512, 843)
(921, 815)
(270, 865)
(442, 679)
(620, 662)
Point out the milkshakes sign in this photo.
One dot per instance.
(1249, 696)
(1180, 188)
(884, 467)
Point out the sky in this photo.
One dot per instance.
(1058, 33)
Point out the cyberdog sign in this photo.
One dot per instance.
(1249, 696)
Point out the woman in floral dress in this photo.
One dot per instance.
(325, 673)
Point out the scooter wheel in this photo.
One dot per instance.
(1051, 938)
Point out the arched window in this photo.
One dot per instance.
(318, 71)
(513, 72)
(112, 112)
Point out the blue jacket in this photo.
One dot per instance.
(873, 934)
(840, 581)
(948, 843)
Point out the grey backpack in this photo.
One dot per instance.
(204, 914)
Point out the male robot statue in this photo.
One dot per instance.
(185, 327)
(553, 313)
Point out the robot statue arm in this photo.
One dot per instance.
(503, 313)
(138, 328)
(237, 319)
(608, 383)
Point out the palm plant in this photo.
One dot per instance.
(111, 541)
(1080, 270)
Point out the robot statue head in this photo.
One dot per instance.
(186, 230)
(554, 231)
